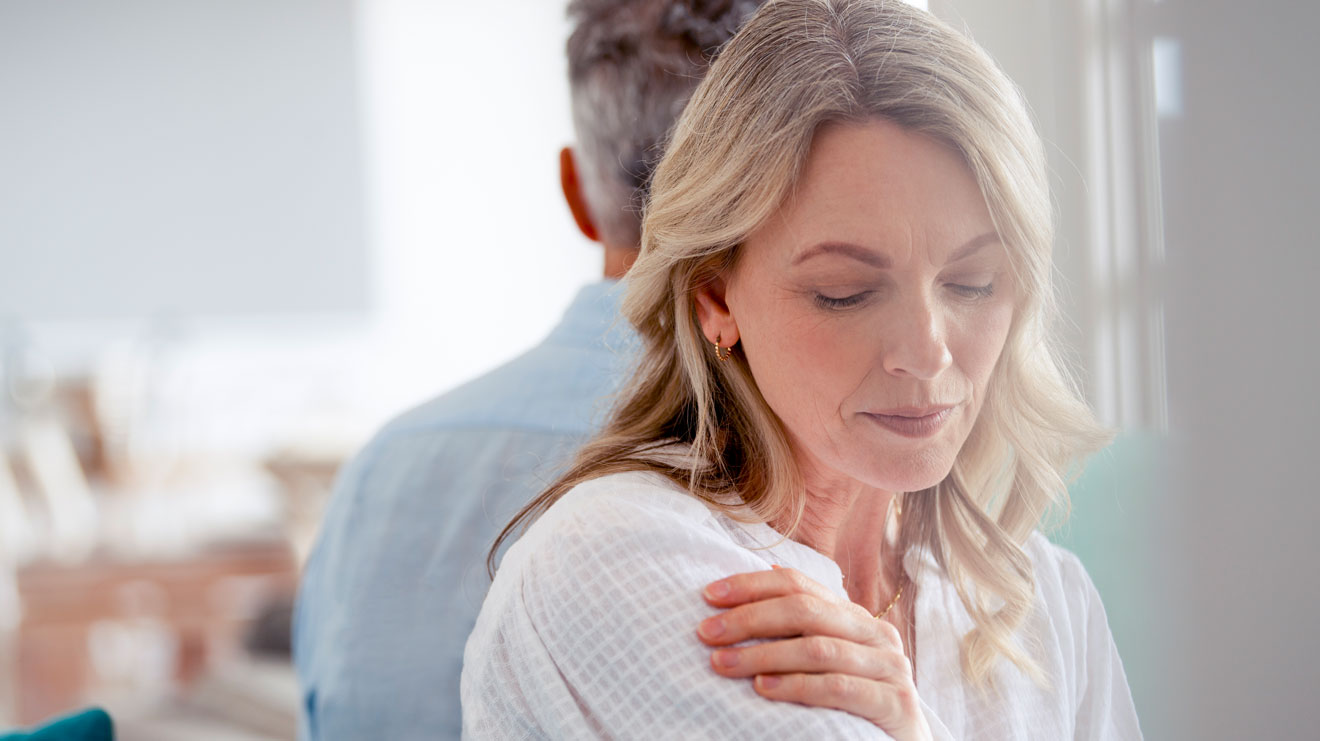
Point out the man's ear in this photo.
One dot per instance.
(577, 202)
(713, 313)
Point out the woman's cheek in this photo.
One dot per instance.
(799, 363)
(981, 340)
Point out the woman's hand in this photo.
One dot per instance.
(832, 653)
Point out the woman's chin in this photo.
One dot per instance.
(908, 475)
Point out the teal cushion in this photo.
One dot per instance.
(1112, 527)
(85, 725)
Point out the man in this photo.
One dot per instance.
(395, 583)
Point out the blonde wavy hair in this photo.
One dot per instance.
(732, 159)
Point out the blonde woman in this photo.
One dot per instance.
(813, 512)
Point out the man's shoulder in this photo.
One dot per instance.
(546, 388)
(497, 436)
(563, 385)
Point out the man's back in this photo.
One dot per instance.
(380, 626)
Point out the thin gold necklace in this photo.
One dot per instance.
(881, 615)
(897, 503)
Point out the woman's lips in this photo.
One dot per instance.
(915, 423)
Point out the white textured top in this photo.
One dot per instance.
(589, 631)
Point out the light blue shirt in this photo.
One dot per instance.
(393, 587)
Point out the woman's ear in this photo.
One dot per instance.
(713, 313)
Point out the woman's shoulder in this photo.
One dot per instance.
(1060, 575)
(625, 500)
(618, 514)
(1069, 601)
(599, 601)
(613, 539)
(1048, 555)
(1075, 617)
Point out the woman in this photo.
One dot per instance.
(814, 510)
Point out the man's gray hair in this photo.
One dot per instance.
(632, 66)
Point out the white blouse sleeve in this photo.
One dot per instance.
(592, 634)
(1105, 711)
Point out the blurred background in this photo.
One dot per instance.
(235, 237)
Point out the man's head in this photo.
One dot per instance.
(632, 65)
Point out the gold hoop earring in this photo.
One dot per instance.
(723, 353)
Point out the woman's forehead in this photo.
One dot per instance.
(880, 164)
(881, 188)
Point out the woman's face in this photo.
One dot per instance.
(872, 308)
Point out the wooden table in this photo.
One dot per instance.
(202, 603)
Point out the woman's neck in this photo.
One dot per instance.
(846, 521)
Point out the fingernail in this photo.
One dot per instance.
(712, 627)
(768, 681)
(717, 590)
(726, 658)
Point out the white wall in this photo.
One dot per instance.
(179, 159)
(1240, 173)
(476, 254)
(339, 209)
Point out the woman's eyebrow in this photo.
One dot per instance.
(973, 245)
(856, 252)
(881, 261)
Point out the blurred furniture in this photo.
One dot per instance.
(244, 700)
(87, 725)
(307, 479)
(137, 631)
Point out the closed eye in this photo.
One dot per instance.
(973, 291)
(843, 302)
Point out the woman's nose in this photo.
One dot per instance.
(916, 345)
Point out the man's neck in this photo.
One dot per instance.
(618, 260)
